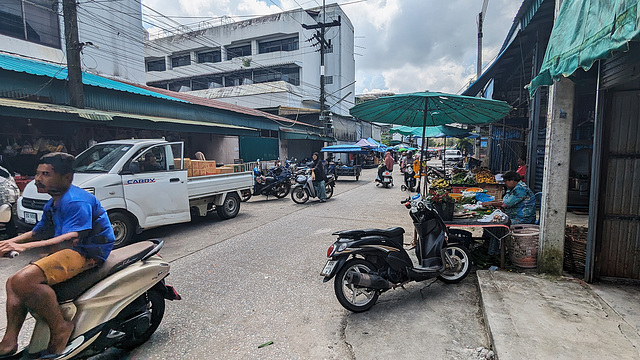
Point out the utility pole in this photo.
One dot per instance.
(480, 23)
(320, 38)
(74, 70)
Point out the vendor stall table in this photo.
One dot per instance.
(487, 226)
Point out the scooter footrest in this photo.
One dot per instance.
(435, 268)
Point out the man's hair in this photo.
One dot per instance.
(511, 175)
(62, 163)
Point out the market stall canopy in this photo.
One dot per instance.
(350, 149)
(586, 31)
(371, 144)
(434, 131)
(430, 109)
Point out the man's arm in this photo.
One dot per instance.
(20, 243)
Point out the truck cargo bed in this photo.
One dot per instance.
(204, 186)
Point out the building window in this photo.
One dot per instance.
(288, 44)
(288, 73)
(182, 60)
(156, 65)
(206, 82)
(209, 57)
(238, 51)
(180, 85)
(328, 80)
(268, 133)
(34, 20)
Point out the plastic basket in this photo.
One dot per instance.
(524, 245)
(482, 197)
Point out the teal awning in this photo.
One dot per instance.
(433, 131)
(586, 31)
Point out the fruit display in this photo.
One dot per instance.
(463, 178)
(440, 184)
(484, 176)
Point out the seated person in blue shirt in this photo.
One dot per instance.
(519, 202)
(75, 218)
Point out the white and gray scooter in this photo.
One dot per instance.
(303, 188)
(118, 304)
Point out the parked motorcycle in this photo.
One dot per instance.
(118, 304)
(368, 262)
(303, 189)
(409, 179)
(277, 182)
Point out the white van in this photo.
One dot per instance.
(453, 156)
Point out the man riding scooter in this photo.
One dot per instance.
(73, 216)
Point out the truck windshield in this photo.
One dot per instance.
(100, 158)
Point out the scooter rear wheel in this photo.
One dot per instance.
(328, 189)
(352, 298)
(283, 190)
(246, 195)
(460, 264)
(155, 305)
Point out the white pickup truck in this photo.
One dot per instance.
(142, 184)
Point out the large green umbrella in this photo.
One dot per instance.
(430, 109)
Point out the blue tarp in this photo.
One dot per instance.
(350, 149)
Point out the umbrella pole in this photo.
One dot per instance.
(424, 128)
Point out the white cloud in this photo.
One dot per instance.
(407, 45)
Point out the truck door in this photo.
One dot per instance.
(153, 189)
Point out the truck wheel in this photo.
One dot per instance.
(230, 207)
(122, 228)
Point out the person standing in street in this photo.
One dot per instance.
(319, 177)
(75, 218)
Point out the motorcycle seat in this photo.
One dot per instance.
(391, 232)
(118, 259)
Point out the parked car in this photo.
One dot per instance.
(453, 156)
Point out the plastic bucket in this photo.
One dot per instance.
(524, 245)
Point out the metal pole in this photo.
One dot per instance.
(76, 95)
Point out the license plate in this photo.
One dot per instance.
(386, 180)
(328, 268)
(30, 218)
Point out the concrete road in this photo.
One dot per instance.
(255, 279)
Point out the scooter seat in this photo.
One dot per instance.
(391, 232)
(118, 259)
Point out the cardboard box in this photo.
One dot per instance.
(187, 163)
(190, 173)
(198, 164)
(212, 171)
(225, 169)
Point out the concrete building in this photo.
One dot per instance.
(111, 32)
(269, 62)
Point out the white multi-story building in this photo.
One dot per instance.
(266, 62)
(111, 32)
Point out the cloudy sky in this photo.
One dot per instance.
(402, 45)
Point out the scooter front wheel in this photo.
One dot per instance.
(351, 297)
(299, 195)
(458, 263)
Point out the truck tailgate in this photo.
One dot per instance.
(203, 186)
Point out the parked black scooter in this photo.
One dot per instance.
(368, 262)
(409, 179)
(277, 182)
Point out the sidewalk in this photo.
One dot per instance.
(532, 316)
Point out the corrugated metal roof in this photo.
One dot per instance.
(29, 66)
(222, 105)
(98, 115)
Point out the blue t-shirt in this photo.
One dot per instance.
(81, 212)
(520, 204)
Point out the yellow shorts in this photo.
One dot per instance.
(63, 265)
